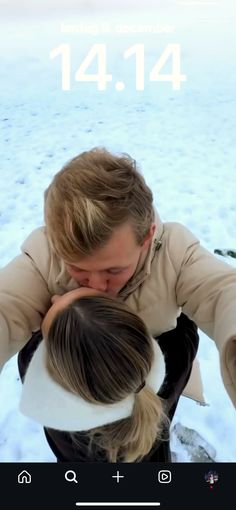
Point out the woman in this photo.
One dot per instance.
(94, 380)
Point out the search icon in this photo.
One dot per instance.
(70, 476)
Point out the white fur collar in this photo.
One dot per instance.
(48, 403)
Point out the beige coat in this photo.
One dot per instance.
(176, 274)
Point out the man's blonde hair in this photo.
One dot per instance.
(93, 194)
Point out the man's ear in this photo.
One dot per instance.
(148, 237)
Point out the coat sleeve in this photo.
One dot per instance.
(206, 291)
(24, 295)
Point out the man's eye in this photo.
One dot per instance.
(114, 271)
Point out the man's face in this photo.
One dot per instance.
(111, 267)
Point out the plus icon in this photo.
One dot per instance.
(118, 476)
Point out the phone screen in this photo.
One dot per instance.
(154, 80)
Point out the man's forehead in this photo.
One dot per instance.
(102, 260)
(99, 265)
(112, 255)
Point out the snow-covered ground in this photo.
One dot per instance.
(184, 142)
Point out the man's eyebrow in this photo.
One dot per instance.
(107, 268)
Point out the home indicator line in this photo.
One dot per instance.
(118, 504)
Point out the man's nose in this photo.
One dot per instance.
(98, 282)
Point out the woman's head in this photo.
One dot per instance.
(99, 349)
(96, 346)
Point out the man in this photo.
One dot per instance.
(102, 232)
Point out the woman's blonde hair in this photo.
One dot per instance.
(94, 193)
(100, 350)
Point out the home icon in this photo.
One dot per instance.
(24, 477)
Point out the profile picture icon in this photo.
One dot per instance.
(211, 478)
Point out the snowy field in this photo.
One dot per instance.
(183, 140)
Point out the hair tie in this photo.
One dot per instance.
(140, 387)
